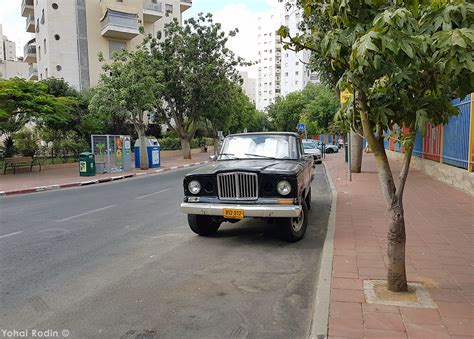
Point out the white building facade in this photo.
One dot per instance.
(249, 86)
(280, 71)
(10, 66)
(67, 36)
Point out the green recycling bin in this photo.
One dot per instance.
(346, 152)
(86, 164)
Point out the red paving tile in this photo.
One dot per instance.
(439, 253)
(464, 327)
(383, 321)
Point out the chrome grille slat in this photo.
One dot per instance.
(237, 186)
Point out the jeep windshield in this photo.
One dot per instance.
(259, 146)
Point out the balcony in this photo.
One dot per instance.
(185, 5)
(30, 23)
(27, 7)
(152, 10)
(119, 25)
(33, 72)
(29, 52)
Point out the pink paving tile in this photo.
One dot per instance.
(424, 331)
(346, 310)
(420, 315)
(347, 284)
(377, 334)
(368, 308)
(347, 328)
(383, 321)
(464, 327)
(371, 263)
(346, 295)
(372, 273)
(455, 310)
(448, 295)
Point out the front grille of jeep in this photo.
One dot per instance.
(237, 186)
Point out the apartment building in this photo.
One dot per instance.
(280, 71)
(248, 85)
(69, 35)
(10, 67)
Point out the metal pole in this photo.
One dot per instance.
(108, 154)
(349, 158)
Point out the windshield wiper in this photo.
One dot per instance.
(261, 156)
(229, 155)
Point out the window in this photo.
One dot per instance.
(57, 37)
(42, 16)
(297, 63)
(46, 73)
(58, 68)
(54, 5)
(286, 74)
(37, 25)
(116, 46)
(44, 46)
(169, 8)
(297, 73)
(41, 76)
(39, 53)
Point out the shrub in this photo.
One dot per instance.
(26, 142)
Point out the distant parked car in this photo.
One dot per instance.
(311, 148)
(330, 148)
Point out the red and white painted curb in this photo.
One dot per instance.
(95, 181)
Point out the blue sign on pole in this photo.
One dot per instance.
(301, 127)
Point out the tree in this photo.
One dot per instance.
(404, 68)
(195, 60)
(128, 88)
(285, 113)
(24, 101)
(321, 107)
(329, 66)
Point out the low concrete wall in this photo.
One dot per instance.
(457, 177)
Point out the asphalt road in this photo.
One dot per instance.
(118, 261)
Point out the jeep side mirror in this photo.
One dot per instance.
(213, 157)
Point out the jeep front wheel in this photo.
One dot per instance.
(293, 229)
(203, 224)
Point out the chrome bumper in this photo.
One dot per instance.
(263, 211)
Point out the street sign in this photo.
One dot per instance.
(301, 127)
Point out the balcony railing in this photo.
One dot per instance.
(33, 72)
(26, 7)
(185, 4)
(120, 25)
(30, 23)
(152, 10)
(29, 49)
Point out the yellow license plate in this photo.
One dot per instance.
(232, 213)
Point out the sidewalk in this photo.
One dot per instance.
(439, 253)
(67, 175)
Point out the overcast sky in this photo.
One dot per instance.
(241, 14)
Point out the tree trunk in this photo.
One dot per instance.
(356, 152)
(143, 148)
(186, 148)
(396, 275)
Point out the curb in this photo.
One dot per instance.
(320, 318)
(95, 181)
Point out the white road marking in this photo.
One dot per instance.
(86, 213)
(149, 195)
(10, 234)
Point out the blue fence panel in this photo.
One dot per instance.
(321, 138)
(364, 143)
(329, 138)
(418, 146)
(398, 145)
(456, 135)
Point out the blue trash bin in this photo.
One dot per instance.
(153, 152)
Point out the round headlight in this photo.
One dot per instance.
(194, 187)
(284, 187)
